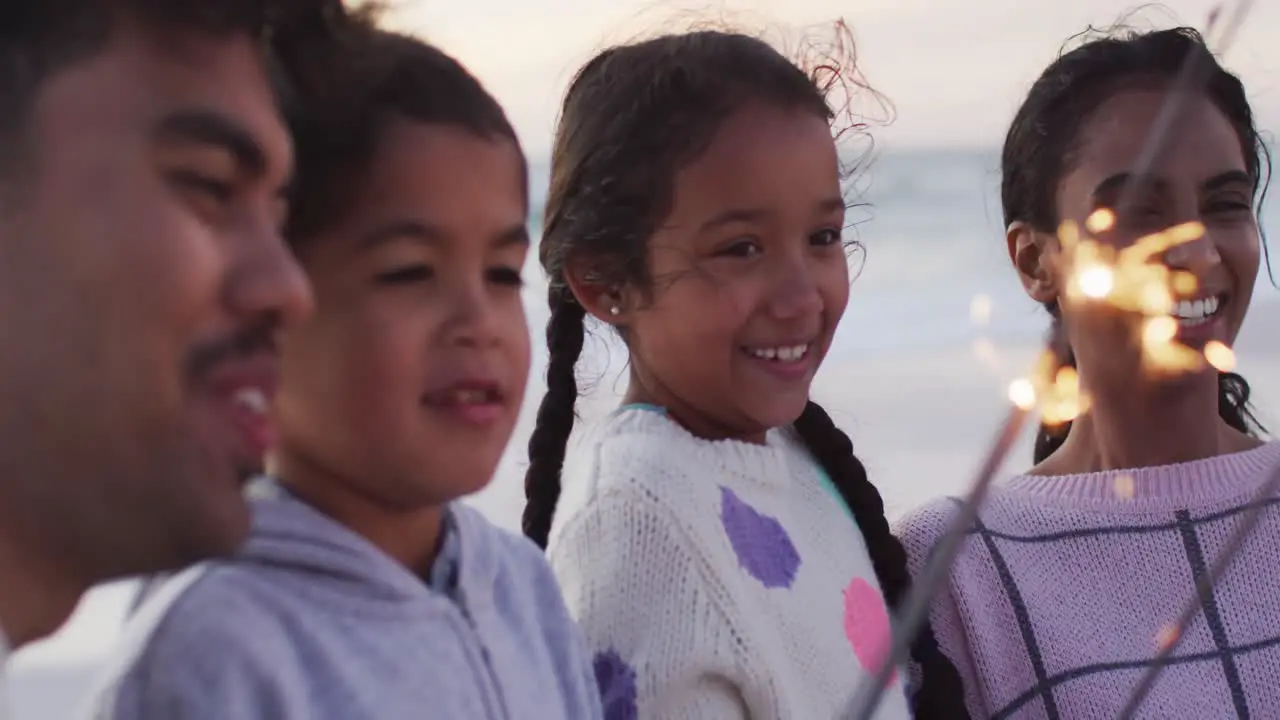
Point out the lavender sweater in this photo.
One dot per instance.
(1058, 594)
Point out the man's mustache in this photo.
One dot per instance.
(256, 339)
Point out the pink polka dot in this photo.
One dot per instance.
(866, 624)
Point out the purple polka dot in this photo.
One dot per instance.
(764, 550)
(617, 683)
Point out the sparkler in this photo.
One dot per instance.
(1172, 634)
(1131, 279)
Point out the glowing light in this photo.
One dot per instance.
(1184, 283)
(1166, 637)
(1125, 487)
(985, 351)
(1131, 279)
(1220, 356)
(1063, 401)
(980, 309)
(1022, 393)
(1154, 299)
(1096, 282)
(1100, 220)
(1160, 329)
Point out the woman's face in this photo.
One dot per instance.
(1201, 176)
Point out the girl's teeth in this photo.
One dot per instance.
(786, 353)
(251, 399)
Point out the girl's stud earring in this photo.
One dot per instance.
(615, 310)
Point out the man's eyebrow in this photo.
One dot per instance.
(204, 127)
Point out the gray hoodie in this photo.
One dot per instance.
(312, 622)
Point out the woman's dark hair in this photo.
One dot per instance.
(1044, 136)
(344, 107)
(632, 118)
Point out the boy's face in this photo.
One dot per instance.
(405, 386)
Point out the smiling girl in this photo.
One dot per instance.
(718, 540)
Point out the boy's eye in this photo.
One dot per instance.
(408, 274)
(506, 276)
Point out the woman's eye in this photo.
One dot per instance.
(409, 274)
(1142, 217)
(506, 276)
(1217, 207)
(826, 237)
(746, 247)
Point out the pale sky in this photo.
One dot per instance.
(954, 69)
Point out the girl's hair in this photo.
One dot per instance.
(344, 107)
(632, 118)
(1045, 134)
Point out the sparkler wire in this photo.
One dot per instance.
(1204, 589)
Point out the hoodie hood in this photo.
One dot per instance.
(330, 562)
(312, 622)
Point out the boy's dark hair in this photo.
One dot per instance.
(344, 110)
(39, 38)
(632, 118)
(1042, 140)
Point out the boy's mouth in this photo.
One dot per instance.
(474, 402)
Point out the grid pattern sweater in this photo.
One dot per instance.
(715, 580)
(1061, 591)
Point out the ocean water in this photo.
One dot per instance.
(933, 238)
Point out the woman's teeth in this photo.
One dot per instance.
(1195, 312)
(785, 353)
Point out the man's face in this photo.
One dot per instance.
(143, 279)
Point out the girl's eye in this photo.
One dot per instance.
(408, 274)
(824, 238)
(746, 247)
(506, 276)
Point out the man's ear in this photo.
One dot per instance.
(597, 297)
(1034, 255)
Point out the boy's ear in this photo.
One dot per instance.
(598, 298)
(1034, 255)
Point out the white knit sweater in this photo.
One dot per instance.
(716, 579)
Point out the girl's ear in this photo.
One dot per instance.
(598, 298)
